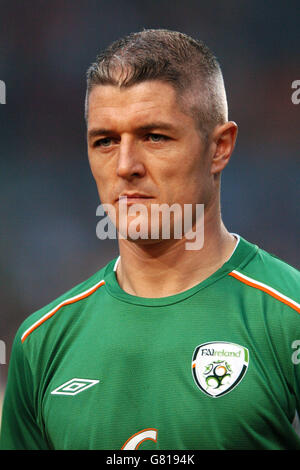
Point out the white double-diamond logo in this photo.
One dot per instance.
(74, 386)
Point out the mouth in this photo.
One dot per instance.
(133, 198)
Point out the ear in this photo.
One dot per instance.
(224, 138)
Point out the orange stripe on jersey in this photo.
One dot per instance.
(52, 312)
(265, 288)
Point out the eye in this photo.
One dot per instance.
(105, 142)
(157, 137)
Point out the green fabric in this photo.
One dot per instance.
(140, 354)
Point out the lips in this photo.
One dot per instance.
(133, 196)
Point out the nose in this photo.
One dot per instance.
(130, 164)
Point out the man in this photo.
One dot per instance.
(166, 347)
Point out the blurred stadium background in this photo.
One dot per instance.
(48, 197)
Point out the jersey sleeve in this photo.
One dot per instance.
(19, 428)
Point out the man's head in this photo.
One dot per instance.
(172, 57)
(157, 122)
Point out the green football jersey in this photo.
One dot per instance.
(214, 367)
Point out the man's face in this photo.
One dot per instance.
(143, 146)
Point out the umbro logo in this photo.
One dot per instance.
(74, 386)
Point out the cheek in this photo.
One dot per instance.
(103, 176)
(192, 184)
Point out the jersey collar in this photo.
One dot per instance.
(242, 253)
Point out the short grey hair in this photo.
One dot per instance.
(172, 57)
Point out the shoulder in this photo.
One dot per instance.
(267, 273)
(271, 292)
(71, 300)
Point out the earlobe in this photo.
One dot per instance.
(224, 138)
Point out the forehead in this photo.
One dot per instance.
(138, 103)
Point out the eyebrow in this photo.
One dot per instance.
(157, 125)
(148, 127)
(95, 132)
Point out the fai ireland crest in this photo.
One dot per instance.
(218, 367)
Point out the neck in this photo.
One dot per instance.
(167, 267)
